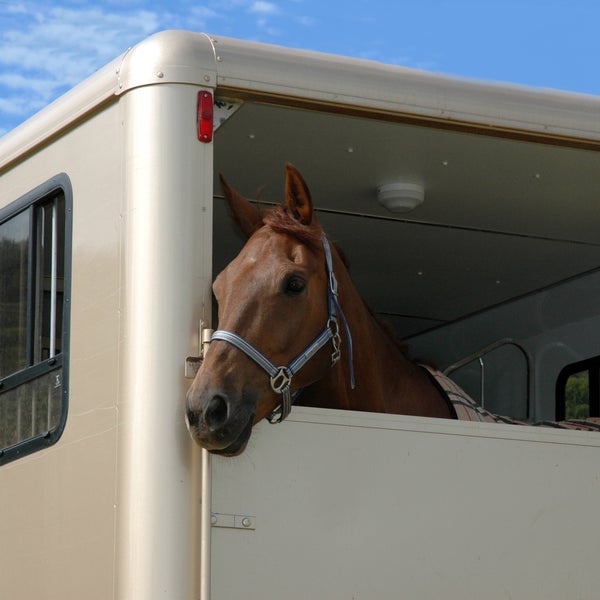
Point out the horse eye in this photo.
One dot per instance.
(294, 285)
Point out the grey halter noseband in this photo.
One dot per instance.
(281, 377)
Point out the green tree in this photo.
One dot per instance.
(577, 396)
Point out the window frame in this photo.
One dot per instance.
(60, 184)
(592, 366)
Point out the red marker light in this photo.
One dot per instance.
(205, 117)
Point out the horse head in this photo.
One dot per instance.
(278, 328)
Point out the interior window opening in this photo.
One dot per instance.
(578, 390)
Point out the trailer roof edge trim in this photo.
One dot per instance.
(265, 69)
(262, 69)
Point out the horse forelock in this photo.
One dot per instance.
(280, 220)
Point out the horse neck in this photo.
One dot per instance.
(386, 379)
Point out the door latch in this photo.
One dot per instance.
(192, 363)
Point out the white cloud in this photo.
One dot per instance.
(264, 8)
(15, 9)
(11, 106)
(203, 12)
(73, 34)
(306, 21)
(46, 50)
(17, 81)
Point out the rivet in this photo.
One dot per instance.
(213, 519)
(160, 74)
(247, 522)
(207, 78)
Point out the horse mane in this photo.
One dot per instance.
(391, 334)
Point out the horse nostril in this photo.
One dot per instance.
(216, 412)
(192, 418)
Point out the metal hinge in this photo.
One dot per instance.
(233, 521)
(192, 363)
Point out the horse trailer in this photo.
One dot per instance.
(112, 226)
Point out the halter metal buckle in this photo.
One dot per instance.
(281, 380)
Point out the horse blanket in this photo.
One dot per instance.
(466, 409)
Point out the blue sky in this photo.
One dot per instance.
(47, 47)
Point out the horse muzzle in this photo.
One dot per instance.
(218, 425)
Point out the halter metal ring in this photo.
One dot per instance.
(281, 380)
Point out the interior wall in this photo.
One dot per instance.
(555, 327)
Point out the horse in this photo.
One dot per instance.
(287, 299)
(293, 328)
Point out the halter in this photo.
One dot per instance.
(281, 377)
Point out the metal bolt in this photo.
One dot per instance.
(247, 522)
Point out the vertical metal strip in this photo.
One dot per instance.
(53, 303)
(32, 285)
(53, 279)
(482, 372)
(205, 525)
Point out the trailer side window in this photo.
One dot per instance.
(35, 243)
(578, 390)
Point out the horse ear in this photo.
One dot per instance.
(297, 195)
(245, 215)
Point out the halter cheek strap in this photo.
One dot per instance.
(281, 377)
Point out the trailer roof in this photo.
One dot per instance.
(344, 84)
